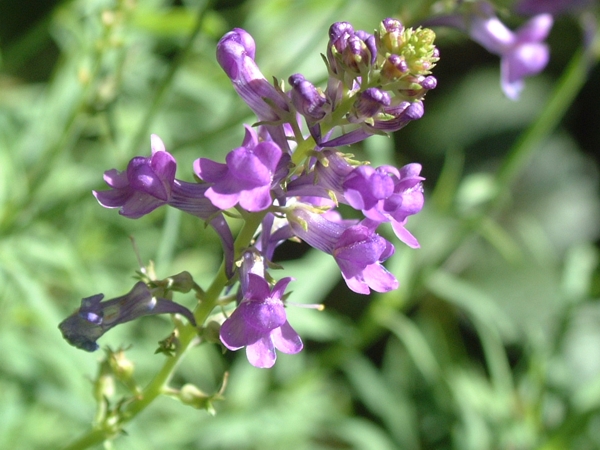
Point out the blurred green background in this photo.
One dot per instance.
(492, 340)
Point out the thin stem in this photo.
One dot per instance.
(566, 90)
(187, 338)
(168, 81)
(573, 79)
(562, 97)
(94, 437)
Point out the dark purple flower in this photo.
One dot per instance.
(83, 328)
(392, 118)
(306, 98)
(357, 249)
(339, 32)
(401, 115)
(246, 178)
(259, 323)
(350, 51)
(369, 103)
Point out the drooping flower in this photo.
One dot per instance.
(94, 318)
(356, 248)
(259, 323)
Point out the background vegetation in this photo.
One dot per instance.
(492, 340)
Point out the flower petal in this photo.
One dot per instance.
(262, 353)
(286, 339)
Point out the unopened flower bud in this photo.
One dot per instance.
(182, 282)
(306, 98)
(369, 103)
(390, 35)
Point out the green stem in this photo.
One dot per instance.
(559, 102)
(94, 437)
(565, 92)
(187, 338)
(567, 88)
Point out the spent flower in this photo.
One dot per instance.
(94, 318)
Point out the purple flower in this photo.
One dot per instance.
(387, 194)
(393, 118)
(83, 328)
(246, 178)
(235, 54)
(383, 194)
(306, 98)
(359, 252)
(259, 323)
(350, 50)
(369, 103)
(144, 186)
(357, 249)
(523, 53)
(149, 183)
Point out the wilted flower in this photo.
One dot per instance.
(94, 318)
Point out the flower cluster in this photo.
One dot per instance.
(289, 174)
